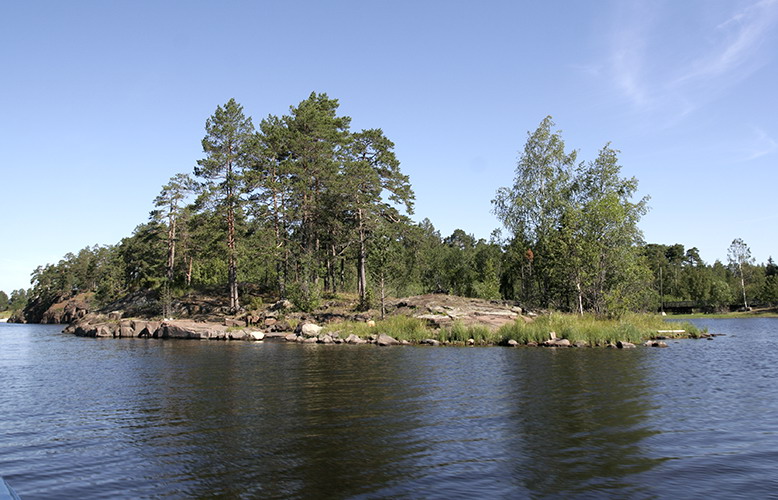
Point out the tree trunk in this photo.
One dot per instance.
(383, 296)
(361, 258)
(232, 264)
(580, 297)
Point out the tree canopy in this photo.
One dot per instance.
(303, 207)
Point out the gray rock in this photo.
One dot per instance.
(353, 339)
(125, 329)
(580, 343)
(290, 337)
(512, 343)
(310, 330)
(310, 340)
(325, 339)
(432, 342)
(255, 335)
(103, 331)
(386, 340)
(625, 345)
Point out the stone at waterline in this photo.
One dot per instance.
(385, 340)
(625, 345)
(310, 330)
(353, 339)
(432, 342)
(290, 337)
(512, 342)
(103, 331)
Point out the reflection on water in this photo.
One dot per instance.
(135, 418)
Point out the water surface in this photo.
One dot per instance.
(147, 418)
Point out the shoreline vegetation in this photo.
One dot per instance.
(554, 330)
(432, 319)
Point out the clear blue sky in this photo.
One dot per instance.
(103, 101)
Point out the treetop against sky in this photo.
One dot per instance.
(103, 103)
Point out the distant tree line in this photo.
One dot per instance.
(302, 207)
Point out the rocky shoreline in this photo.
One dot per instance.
(305, 333)
(278, 321)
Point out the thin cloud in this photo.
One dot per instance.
(655, 72)
(762, 145)
(737, 40)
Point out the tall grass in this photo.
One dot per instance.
(593, 330)
(588, 328)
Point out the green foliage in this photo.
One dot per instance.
(594, 331)
(305, 207)
(305, 296)
(575, 237)
(3, 301)
(255, 303)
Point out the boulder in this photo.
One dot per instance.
(625, 345)
(125, 329)
(310, 340)
(580, 343)
(353, 339)
(512, 343)
(432, 342)
(194, 330)
(385, 340)
(470, 341)
(103, 331)
(310, 330)
(270, 321)
(325, 339)
(290, 337)
(147, 328)
(255, 335)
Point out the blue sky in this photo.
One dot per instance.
(103, 101)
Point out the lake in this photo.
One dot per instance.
(147, 418)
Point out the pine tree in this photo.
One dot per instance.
(226, 146)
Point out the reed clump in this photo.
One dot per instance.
(594, 330)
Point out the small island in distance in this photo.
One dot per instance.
(300, 229)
